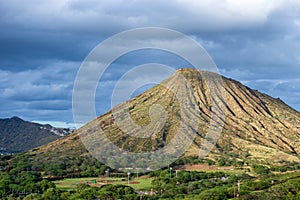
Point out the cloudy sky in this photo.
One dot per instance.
(43, 44)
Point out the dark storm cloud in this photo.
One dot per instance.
(30, 49)
(41, 93)
(50, 105)
(44, 42)
(69, 29)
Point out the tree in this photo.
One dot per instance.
(45, 185)
(32, 197)
(117, 192)
(51, 194)
(218, 193)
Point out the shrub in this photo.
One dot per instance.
(260, 169)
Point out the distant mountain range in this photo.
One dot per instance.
(17, 135)
(257, 127)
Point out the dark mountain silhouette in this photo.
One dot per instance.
(17, 135)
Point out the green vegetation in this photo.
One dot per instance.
(217, 185)
(64, 166)
(260, 169)
(20, 179)
(72, 183)
(17, 179)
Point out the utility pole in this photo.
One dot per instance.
(234, 191)
(170, 172)
(107, 175)
(239, 189)
(128, 174)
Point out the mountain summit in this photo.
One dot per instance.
(254, 127)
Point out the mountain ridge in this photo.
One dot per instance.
(17, 135)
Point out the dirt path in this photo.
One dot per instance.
(203, 167)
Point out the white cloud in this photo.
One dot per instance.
(220, 14)
(57, 124)
(71, 15)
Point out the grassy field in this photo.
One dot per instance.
(142, 183)
(71, 183)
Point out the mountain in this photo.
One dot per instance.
(254, 126)
(17, 135)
